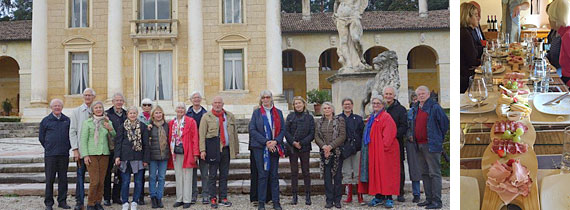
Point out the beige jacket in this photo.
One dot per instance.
(209, 127)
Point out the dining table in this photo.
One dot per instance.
(477, 128)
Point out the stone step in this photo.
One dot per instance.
(18, 130)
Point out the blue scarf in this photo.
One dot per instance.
(268, 135)
(366, 138)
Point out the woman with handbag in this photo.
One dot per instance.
(96, 133)
(300, 132)
(159, 152)
(183, 141)
(131, 157)
(266, 130)
(330, 133)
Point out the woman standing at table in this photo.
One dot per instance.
(96, 133)
(469, 59)
(559, 17)
(330, 133)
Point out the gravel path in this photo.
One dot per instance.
(239, 202)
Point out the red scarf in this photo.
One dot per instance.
(275, 118)
(220, 116)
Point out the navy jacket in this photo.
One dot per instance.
(257, 138)
(354, 131)
(117, 121)
(54, 135)
(124, 147)
(400, 116)
(300, 127)
(196, 116)
(437, 124)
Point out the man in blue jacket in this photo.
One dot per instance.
(54, 137)
(196, 111)
(428, 125)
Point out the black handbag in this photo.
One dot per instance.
(179, 149)
(213, 150)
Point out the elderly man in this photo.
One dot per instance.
(54, 137)
(428, 126)
(400, 117)
(351, 149)
(196, 111)
(511, 17)
(78, 115)
(218, 144)
(117, 115)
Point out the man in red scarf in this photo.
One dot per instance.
(218, 127)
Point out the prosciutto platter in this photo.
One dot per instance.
(509, 180)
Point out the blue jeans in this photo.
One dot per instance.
(126, 177)
(416, 188)
(263, 175)
(157, 173)
(79, 184)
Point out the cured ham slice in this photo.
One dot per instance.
(509, 181)
(508, 146)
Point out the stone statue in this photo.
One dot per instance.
(386, 63)
(347, 15)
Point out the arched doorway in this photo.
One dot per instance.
(372, 52)
(294, 75)
(9, 84)
(423, 69)
(328, 66)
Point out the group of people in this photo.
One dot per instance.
(366, 155)
(473, 41)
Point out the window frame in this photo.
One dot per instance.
(68, 68)
(69, 15)
(242, 15)
(233, 61)
(233, 46)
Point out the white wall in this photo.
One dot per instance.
(494, 7)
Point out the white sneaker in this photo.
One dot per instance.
(126, 206)
(134, 206)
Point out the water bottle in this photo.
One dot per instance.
(487, 68)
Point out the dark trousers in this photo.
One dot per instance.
(53, 165)
(294, 161)
(79, 184)
(333, 182)
(431, 172)
(402, 173)
(203, 177)
(224, 168)
(141, 197)
(264, 176)
(114, 192)
(253, 195)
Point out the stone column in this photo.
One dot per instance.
(195, 47)
(39, 78)
(114, 49)
(403, 96)
(423, 8)
(306, 4)
(312, 76)
(273, 48)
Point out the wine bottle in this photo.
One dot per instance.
(488, 24)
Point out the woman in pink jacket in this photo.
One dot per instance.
(559, 17)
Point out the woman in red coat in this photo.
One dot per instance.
(380, 167)
(183, 140)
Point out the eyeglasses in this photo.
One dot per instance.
(266, 97)
(147, 104)
(376, 103)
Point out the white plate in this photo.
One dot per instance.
(554, 192)
(563, 108)
(469, 188)
(491, 105)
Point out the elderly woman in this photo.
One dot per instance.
(96, 132)
(144, 116)
(184, 149)
(330, 133)
(380, 163)
(159, 153)
(300, 132)
(469, 55)
(266, 130)
(559, 17)
(130, 152)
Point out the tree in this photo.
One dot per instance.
(291, 6)
(403, 5)
(5, 7)
(23, 10)
(319, 6)
(438, 4)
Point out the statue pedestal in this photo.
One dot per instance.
(352, 85)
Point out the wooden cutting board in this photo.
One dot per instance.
(529, 137)
(492, 201)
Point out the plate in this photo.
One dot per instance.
(491, 105)
(562, 108)
(469, 200)
(554, 192)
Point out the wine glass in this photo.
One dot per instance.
(478, 93)
(462, 138)
(538, 75)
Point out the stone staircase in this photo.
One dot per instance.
(18, 129)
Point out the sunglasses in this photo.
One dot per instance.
(147, 104)
(266, 97)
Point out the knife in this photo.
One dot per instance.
(556, 99)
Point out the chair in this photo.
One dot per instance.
(470, 199)
(554, 191)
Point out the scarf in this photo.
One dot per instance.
(221, 120)
(133, 130)
(162, 139)
(97, 121)
(146, 115)
(366, 138)
(270, 132)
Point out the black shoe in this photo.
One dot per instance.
(294, 199)
(141, 201)
(98, 206)
(277, 206)
(193, 201)
(226, 203)
(177, 204)
(107, 202)
(401, 198)
(416, 199)
(153, 202)
(205, 201)
(159, 203)
(308, 199)
(49, 208)
(261, 206)
(425, 203)
(328, 206)
(186, 205)
(433, 205)
(118, 201)
(64, 206)
(337, 205)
